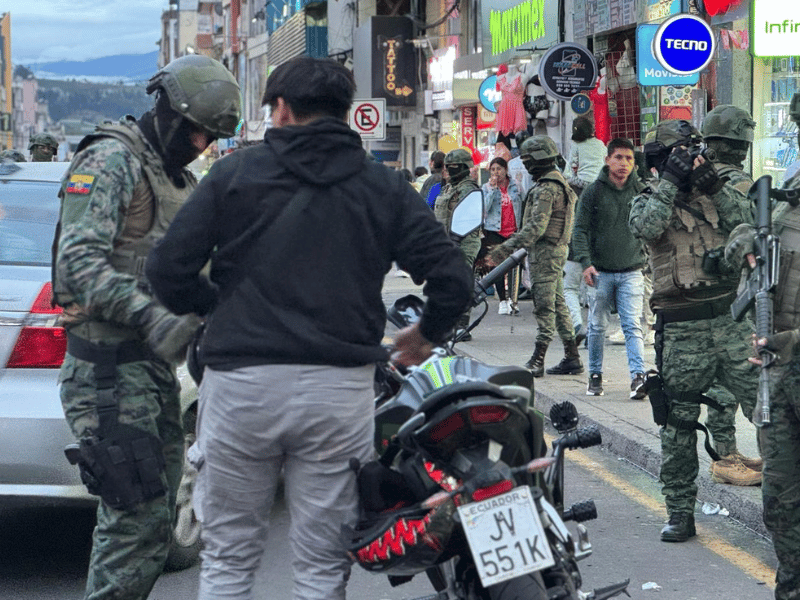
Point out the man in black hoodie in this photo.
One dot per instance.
(295, 324)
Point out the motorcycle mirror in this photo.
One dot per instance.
(410, 426)
(468, 215)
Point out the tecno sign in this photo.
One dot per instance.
(775, 27)
(684, 44)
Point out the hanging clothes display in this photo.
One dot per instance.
(599, 98)
(511, 113)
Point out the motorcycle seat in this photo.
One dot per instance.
(459, 391)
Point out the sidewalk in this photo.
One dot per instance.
(626, 425)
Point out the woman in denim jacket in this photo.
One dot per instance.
(502, 210)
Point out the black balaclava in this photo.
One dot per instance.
(582, 129)
(456, 172)
(731, 152)
(169, 133)
(537, 168)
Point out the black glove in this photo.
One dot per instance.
(706, 179)
(741, 242)
(678, 168)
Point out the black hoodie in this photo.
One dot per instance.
(319, 299)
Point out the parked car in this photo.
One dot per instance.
(33, 432)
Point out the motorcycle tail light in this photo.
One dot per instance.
(493, 490)
(446, 428)
(488, 414)
(40, 345)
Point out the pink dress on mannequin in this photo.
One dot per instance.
(602, 120)
(511, 113)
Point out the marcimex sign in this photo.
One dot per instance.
(509, 26)
(775, 28)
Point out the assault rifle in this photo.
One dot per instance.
(761, 284)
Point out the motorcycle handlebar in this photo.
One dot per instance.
(497, 274)
(585, 437)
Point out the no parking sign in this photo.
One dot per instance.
(368, 118)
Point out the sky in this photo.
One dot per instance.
(53, 30)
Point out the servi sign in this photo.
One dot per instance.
(775, 27)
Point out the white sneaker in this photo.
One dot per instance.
(503, 308)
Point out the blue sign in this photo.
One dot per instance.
(648, 70)
(684, 44)
(580, 104)
(489, 95)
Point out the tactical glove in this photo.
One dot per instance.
(740, 244)
(678, 168)
(706, 179)
(169, 335)
(782, 344)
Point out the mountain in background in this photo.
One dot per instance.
(121, 67)
(92, 102)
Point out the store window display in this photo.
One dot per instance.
(510, 113)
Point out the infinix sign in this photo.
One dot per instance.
(775, 27)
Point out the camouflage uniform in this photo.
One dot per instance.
(697, 341)
(117, 200)
(458, 187)
(129, 547)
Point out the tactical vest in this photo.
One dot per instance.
(677, 257)
(562, 216)
(787, 298)
(153, 206)
(449, 198)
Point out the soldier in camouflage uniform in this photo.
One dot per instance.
(690, 211)
(14, 155)
(118, 381)
(458, 163)
(728, 130)
(43, 147)
(780, 440)
(546, 230)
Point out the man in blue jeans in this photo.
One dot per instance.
(612, 260)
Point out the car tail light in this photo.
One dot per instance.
(488, 414)
(493, 490)
(450, 425)
(40, 344)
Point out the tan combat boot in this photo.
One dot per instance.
(730, 469)
(756, 464)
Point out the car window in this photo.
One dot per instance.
(28, 216)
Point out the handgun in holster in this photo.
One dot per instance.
(120, 463)
(659, 401)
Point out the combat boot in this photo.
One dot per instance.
(679, 528)
(536, 363)
(730, 469)
(756, 464)
(571, 363)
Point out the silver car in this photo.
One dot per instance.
(33, 432)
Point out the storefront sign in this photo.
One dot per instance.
(468, 122)
(509, 25)
(658, 9)
(489, 95)
(440, 71)
(567, 69)
(775, 27)
(648, 70)
(394, 61)
(684, 44)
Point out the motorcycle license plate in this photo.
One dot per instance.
(506, 536)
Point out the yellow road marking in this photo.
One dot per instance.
(737, 557)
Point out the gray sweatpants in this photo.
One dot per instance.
(309, 420)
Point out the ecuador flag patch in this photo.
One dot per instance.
(80, 184)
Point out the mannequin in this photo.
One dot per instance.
(511, 114)
(549, 117)
(599, 98)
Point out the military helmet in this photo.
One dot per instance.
(671, 132)
(459, 156)
(730, 122)
(794, 108)
(539, 147)
(14, 155)
(42, 139)
(203, 91)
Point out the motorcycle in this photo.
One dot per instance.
(463, 489)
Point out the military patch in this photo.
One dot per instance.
(80, 184)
